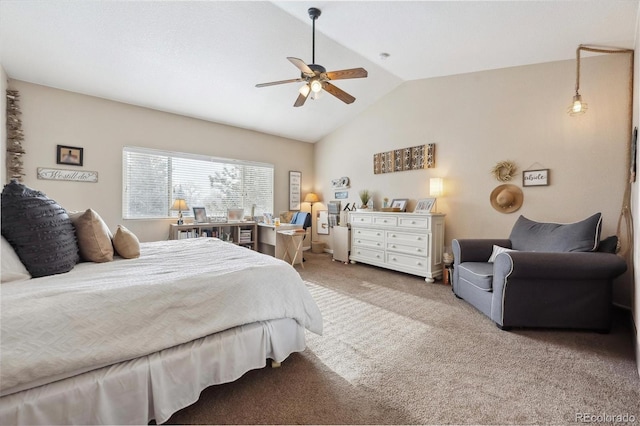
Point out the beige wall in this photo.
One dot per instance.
(51, 117)
(479, 119)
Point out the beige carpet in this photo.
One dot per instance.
(397, 350)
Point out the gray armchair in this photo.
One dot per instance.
(552, 276)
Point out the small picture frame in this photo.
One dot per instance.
(235, 215)
(425, 205)
(399, 203)
(69, 155)
(535, 177)
(199, 215)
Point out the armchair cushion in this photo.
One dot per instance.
(478, 274)
(528, 235)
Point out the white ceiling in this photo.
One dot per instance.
(203, 59)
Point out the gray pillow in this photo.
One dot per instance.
(39, 230)
(528, 235)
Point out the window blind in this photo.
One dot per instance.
(152, 179)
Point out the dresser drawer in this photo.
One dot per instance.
(369, 234)
(408, 249)
(408, 238)
(363, 242)
(361, 253)
(362, 219)
(385, 220)
(407, 261)
(414, 222)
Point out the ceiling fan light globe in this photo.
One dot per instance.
(316, 86)
(304, 90)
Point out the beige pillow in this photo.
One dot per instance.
(126, 243)
(94, 237)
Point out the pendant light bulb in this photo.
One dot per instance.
(577, 107)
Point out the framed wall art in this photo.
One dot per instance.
(535, 177)
(295, 182)
(70, 155)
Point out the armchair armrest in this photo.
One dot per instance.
(475, 250)
(559, 266)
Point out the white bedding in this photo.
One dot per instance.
(176, 292)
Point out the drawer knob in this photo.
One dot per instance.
(378, 256)
(413, 222)
(378, 244)
(419, 263)
(394, 259)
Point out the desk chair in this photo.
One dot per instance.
(304, 219)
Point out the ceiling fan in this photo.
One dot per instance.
(316, 77)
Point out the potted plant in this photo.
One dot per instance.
(364, 198)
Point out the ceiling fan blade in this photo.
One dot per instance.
(338, 93)
(350, 73)
(301, 99)
(302, 66)
(273, 83)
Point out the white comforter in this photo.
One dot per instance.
(177, 291)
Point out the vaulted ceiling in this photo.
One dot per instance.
(202, 59)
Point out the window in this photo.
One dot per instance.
(152, 179)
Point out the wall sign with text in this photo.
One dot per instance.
(535, 177)
(71, 175)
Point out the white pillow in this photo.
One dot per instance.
(12, 268)
(496, 251)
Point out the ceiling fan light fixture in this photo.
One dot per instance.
(316, 85)
(304, 90)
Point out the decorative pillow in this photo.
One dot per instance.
(39, 230)
(12, 268)
(528, 235)
(126, 243)
(609, 245)
(94, 237)
(496, 251)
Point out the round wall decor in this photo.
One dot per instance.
(504, 171)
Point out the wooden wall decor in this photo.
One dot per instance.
(15, 136)
(412, 158)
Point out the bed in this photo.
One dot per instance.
(135, 340)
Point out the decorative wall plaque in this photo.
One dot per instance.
(71, 175)
(413, 158)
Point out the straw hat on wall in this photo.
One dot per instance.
(506, 198)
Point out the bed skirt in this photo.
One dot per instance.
(157, 385)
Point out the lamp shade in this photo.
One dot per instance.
(311, 198)
(179, 204)
(436, 187)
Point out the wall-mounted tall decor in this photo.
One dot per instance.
(15, 136)
(413, 158)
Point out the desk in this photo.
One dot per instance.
(294, 239)
(273, 243)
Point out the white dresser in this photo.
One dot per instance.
(406, 242)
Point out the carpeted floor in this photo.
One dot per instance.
(396, 350)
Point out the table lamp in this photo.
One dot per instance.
(179, 204)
